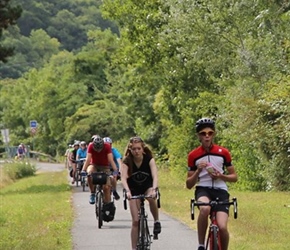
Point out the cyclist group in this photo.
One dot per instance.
(209, 168)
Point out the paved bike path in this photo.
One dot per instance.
(115, 235)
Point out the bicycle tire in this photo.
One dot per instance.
(77, 178)
(100, 208)
(148, 236)
(83, 183)
(141, 241)
(214, 239)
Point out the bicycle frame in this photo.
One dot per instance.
(213, 239)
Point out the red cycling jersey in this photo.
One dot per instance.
(100, 158)
(219, 158)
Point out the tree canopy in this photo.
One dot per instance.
(167, 64)
(8, 16)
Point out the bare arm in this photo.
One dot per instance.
(153, 168)
(124, 176)
(192, 178)
(112, 163)
(120, 164)
(87, 162)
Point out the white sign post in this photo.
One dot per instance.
(6, 140)
(5, 135)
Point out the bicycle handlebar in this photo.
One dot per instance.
(140, 196)
(80, 160)
(214, 203)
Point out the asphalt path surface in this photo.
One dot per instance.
(115, 235)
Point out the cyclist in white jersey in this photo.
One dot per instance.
(209, 168)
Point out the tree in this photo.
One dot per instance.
(8, 16)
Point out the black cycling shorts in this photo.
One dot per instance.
(140, 189)
(212, 194)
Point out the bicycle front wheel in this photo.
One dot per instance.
(83, 183)
(141, 235)
(77, 176)
(214, 239)
(99, 208)
(144, 241)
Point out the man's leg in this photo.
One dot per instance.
(155, 213)
(114, 187)
(92, 187)
(107, 193)
(73, 173)
(222, 220)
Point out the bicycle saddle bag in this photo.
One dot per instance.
(99, 178)
(109, 210)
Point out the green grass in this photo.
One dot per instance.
(263, 219)
(36, 213)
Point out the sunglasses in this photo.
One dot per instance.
(210, 133)
(135, 139)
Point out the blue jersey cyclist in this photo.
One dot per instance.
(81, 154)
(82, 151)
(116, 154)
(117, 157)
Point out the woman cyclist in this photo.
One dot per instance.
(139, 176)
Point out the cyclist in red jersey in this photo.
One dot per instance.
(100, 158)
(209, 168)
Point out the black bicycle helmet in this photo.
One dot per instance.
(204, 123)
(98, 143)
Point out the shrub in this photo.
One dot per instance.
(19, 170)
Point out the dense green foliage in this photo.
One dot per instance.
(45, 28)
(8, 16)
(172, 63)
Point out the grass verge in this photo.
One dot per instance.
(36, 213)
(263, 217)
